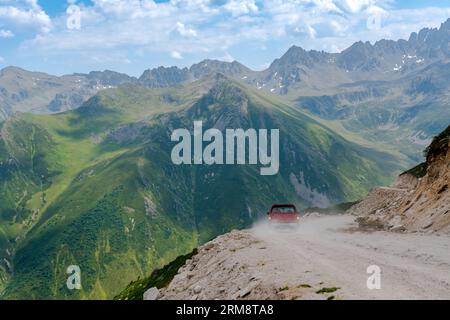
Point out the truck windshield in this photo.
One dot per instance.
(283, 209)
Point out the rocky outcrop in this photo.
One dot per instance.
(418, 201)
(199, 278)
(252, 264)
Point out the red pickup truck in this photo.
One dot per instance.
(283, 214)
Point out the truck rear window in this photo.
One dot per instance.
(283, 209)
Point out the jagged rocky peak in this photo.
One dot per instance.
(390, 47)
(209, 66)
(110, 78)
(164, 77)
(169, 76)
(355, 56)
(445, 25)
(298, 55)
(432, 42)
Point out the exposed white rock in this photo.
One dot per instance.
(151, 294)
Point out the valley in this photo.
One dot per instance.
(393, 244)
(238, 146)
(113, 155)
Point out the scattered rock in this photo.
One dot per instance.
(395, 224)
(197, 289)
(208, 246)
(151, 294)
(221, 273)
(428, 225)
(246, 291)
(412, 203)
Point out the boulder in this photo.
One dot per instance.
(151, 294)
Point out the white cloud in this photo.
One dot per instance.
(208, 28)
(2, 59)
(176, 55)
(240, 7)
(227, 57)
(354, 6)
(183, 31)
(24, 12)
(376, 10)
(306, 29)
(326, 5)
(6, 33)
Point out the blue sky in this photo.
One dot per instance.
(133, 35)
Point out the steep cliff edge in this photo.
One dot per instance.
(418, 201)
(326, 257)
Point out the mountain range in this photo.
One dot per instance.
(371, 90)
(37, 92)
(86, 175)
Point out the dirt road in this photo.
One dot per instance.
(414, 266)
(322, 254)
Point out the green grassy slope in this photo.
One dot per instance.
(159, 278)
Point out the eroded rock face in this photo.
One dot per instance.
(406, 181)
(411, 204)
(428, 207)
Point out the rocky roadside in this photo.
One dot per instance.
(419, 201)
(233, 267)
(199, 278)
